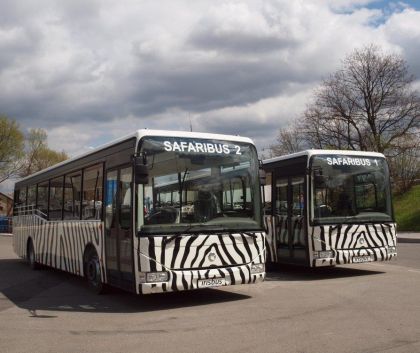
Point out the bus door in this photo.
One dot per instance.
(290, 219)
(118, 227)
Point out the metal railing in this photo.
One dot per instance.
(28, 210)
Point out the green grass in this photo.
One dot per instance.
(407, 210)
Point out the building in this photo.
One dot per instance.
(6, 205)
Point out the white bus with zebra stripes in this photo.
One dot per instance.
(328, 207)
(155, 211)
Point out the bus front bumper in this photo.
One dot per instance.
(353, 256)
(181, 280)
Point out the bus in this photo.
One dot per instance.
(328, 207)
(154, 211)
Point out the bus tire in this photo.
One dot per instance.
(93, 272)
(30, 256)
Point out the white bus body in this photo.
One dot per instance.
(329, 207)
(188, 217)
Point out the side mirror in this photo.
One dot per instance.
(263, 179)
(141, 172)
(320, 180)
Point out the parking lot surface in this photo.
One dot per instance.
(359, 308)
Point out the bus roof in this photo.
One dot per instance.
(313, 152)
(191, 134)
(139, 134)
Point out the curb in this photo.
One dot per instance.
(408, 240)
(6, 234)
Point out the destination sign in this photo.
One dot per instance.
(351, 161)
(201, 147)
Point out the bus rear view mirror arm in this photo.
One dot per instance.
(319, 177)
(141, 171)
(320, 180)
(262, 176)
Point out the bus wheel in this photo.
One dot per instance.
(93, 272)
(30, 256)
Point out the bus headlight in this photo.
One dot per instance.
(153, 277)
(328, 254)
(257, 268)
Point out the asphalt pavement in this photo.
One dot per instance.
(371, 307)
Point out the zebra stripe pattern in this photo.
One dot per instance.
(345, 240)
(61, 244)
(58, 244)
(270, 240)
(278, 229)
(351, 240)
(193, 257)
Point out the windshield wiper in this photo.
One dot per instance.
(218, 229)
(180, 233)
(350, 218)
(252, 235)
(235, 231)
(359, 217)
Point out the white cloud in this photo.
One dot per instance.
(90, 71)
(402, 29)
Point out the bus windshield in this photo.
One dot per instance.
(199, 185)
(350, 189)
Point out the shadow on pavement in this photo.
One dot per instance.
(54, 290)
(298, 273)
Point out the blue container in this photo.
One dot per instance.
(5, 224)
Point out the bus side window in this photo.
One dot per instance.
(92, 192)
(19, 201)
(20, 197)
(15, 201)
(267, 190)
(72, 193)
(42, 198)
(31, 195)
(148, 200)
(281, 197)
(298, 196)
(125, 198)
(56, 199)
(111, 199)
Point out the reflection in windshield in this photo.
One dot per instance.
(211, 186)
(350, 189)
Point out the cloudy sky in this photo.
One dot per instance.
(90, 71)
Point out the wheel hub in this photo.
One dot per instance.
(93, 271)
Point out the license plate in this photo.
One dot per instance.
(212, 282)
(362, 259)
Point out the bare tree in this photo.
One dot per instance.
(22, 155)
(38, 155)
(368, 104)
(288, 140)
(11, 148)
(405, 163)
